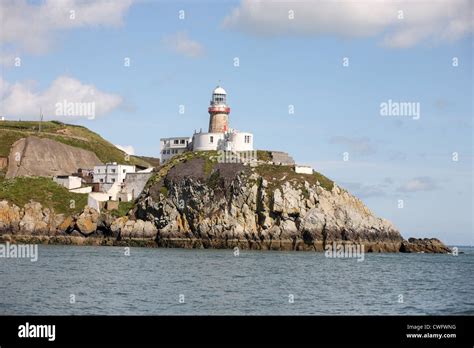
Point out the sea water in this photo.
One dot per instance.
(80, 280)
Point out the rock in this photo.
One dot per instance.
(245, 206)
(86, 223)
(417, 245)
(10, 216)
(47, 157)
(33, 220)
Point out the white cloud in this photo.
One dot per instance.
(422, 183)
(33, 28)
(129, 149)
(21, 99)
(359, 146)
(435, 21)
(182, 44)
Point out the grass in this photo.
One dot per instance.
(43, 190)
(123, 209)
(277, 175)
(264, 156)
(77, 136)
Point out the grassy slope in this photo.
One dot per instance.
(78, 136)
(43, 190)
(276, 175)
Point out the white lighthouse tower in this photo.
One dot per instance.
(220, 136)
(219, 111)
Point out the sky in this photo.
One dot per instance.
(321, 80)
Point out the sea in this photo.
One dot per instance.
(86, 280)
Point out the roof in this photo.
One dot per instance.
(219, 90)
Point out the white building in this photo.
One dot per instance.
(68, 181)
(111, 173)
(219, 136)
(299, 169)
(170, 147)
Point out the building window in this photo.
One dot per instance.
(123, 171)
(101, 180)
(182, 141)
(211, 139)
(113, 180)
(247, 139)
(176, 141)
(113, 170)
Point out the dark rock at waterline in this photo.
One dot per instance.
(426, 245)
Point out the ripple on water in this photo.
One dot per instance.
(149, 281)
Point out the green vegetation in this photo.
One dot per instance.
(164, 191)
(43, 190)
(277, 175)
(264, 156)
(123, 209)
(77, 136)
(210, 158)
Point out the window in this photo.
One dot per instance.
(113, 180)
(176, 141)
(182, 141)
(123, 171)
(247, 139)
(211, 139)
(112, 170)
(101, 180)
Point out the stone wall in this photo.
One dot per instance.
(135, 182)
(279, 157)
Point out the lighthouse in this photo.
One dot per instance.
(219, 111)
(219, 137)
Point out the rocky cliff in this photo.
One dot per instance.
(261, 207)
(35, 156)
(196, 202)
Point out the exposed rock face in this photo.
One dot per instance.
(427, 245)
(223, 210)
(45, 157)
(86, 223)
(32, 219)
(192, 204)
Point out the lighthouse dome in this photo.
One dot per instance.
(219, 90)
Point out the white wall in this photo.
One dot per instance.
(95, 197)
(202, 141)
(70, 182)
(303, 170)
(238, 141)
(107, 173)
(86, 189)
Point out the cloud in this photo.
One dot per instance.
(33, 27)
(422, 183)
(182, 44)
(364, 190)
(129, 149)
(66, 97)
(358, 146)
(435, 21)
